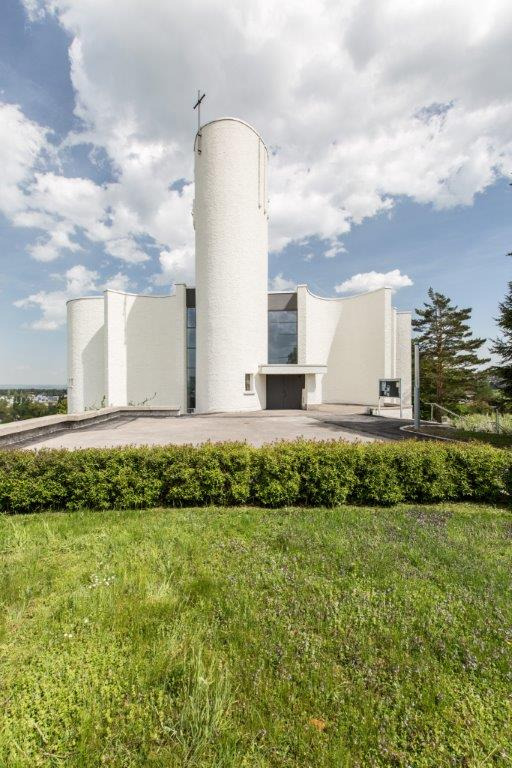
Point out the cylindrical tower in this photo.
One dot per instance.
(231, 233)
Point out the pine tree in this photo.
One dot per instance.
(449, 360)
(503, 346)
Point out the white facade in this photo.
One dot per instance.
(144, 349)
(127, 349)
(360, 339)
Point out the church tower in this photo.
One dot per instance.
(231, 253)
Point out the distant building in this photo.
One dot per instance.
(228, 344)
(47, 399)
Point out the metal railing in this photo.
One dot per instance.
(448, 415)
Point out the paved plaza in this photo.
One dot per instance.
(256, 428)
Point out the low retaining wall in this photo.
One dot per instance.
(17, 432)
(392, 412)
(419, 435)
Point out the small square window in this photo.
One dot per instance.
(248, 382)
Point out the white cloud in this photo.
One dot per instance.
(49, 248)
(78, 200)
(79, 281)
(21, 144)
(126, 248)
(360, 102)
(176, 266)
(335, 250)
(370, 281)
(280, 283)
(118, 282)
(35, 9)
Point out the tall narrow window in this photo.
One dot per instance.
(282, 336)
(191, 358)
(249, 382)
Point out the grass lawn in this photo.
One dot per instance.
(295, 638)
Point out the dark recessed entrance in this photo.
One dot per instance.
(284, 392)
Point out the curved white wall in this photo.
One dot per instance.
(145, 349)
(86, 377)
(154, 367)
(126, 349)
(354, 337)
(231, 232)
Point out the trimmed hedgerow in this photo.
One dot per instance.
(206, 475)
(275, 475)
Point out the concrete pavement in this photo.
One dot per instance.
(256, 428)
(372, 427)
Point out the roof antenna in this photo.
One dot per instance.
(198, 105)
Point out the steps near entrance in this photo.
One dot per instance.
(392, 412)
(387, 411)
(340, 408)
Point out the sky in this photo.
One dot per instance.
(389, 128)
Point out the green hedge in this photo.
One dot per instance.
(280, 474)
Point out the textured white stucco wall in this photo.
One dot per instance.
(127, 349)
(145, 349)
(86, 379)
(354, 337)
(154, 365)
(313, 386)
(231, 232)
(115, 348)
(404, 355)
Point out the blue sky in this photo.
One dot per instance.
(388, 161)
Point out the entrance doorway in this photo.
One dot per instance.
(285, 392)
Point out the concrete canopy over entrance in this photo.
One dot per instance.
(290, 369)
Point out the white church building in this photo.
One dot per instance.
(229, 344)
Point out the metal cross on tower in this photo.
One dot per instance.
(198, 105)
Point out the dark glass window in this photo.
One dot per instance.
(191, 337)
(282, 336)
(191, 358)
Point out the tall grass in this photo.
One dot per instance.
(479, 422)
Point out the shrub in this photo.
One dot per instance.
(210, 474)
(425, 473)
(280, 474)
(328, 473)
(276, 474)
